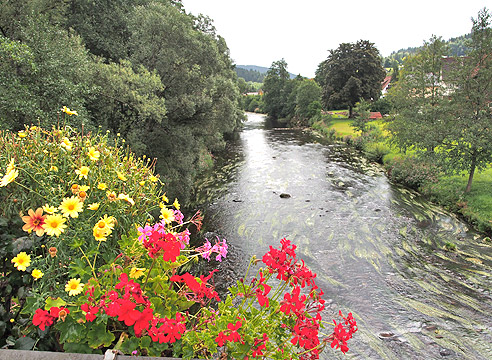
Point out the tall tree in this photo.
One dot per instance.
(469, 140)
(351, 72)
(418, 99)
(275, 89)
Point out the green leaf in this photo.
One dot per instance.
(24, 343)
(98, 336)
(58, 302)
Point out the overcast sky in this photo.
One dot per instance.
(259, 32)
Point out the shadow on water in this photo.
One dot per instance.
(378, 250)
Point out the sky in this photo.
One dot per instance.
(259, 32)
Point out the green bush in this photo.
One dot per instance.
(376, 152)
(411, 172)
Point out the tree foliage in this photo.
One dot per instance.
(443, 104)
(351, 72)
(143, 69)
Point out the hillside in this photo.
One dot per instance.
(254, 73)
(457, 47)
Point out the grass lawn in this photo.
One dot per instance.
(342, 127)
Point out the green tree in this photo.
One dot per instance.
(275, 88)
(308, 99)
(468, 142)
(351, 72)
(43, 70)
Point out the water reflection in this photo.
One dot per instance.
(378, 250)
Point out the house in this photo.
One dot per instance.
(385, 85)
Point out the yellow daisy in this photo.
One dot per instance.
(111, 195)
(49, 209)
(93, 154)
(37, 274)
(93, 206)
(66, 144)
(121, 176)
(99, 235)
(68, 111)
(164, 198)
(142, 183)
(71, 206)
(53, 168)
(82, 172)
(167, 215)
(126, 198)
(153, 178)
(22, 261)
(176, 204)
(54, 224)
(102, 186)
(9, 177)
(10, 166)
(74, 287)
(22, 134)
(84, 188)
(135, 273)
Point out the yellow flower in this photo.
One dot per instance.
(84, 188)
(53, 168)
(93, 154)
(10, 166)
(135, 273)
(126, 198)
(111, 195)
(164, 198)
(93, 206)
(153, 178)
(176, 204)
(99, 235)
(68, 111)
(22, 134)
(102, 186)
(49, 209)
(71, 207)
(121, 176)
(82, 172)
(167, 215)
(66, 144)
(22, 261)
(9, 177)
(32, 128)
(142, 183)
(74, 287)
(109, 221)
(37, 274)
(54, 224)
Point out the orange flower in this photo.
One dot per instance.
(34, 221)
(52, 250)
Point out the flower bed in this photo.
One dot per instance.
(96, 257)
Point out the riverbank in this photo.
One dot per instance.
(447, 191)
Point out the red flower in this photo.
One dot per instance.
(42, 318)
(259, 345)
(170, 330)
(343, 333)
(199, 289)
(234, 335)
(221, 339)
(90, 311)
(162, 243)
(261, 295)
(292, 302)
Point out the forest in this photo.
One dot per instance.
(148, 72)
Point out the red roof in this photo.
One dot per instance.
(375, 115)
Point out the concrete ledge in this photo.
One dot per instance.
(46, 355)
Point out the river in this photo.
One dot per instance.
(378, 249)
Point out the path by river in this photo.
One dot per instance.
(378, 249)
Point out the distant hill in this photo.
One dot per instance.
(457, 47)
(254, 73)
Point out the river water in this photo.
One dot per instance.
(378, 250)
